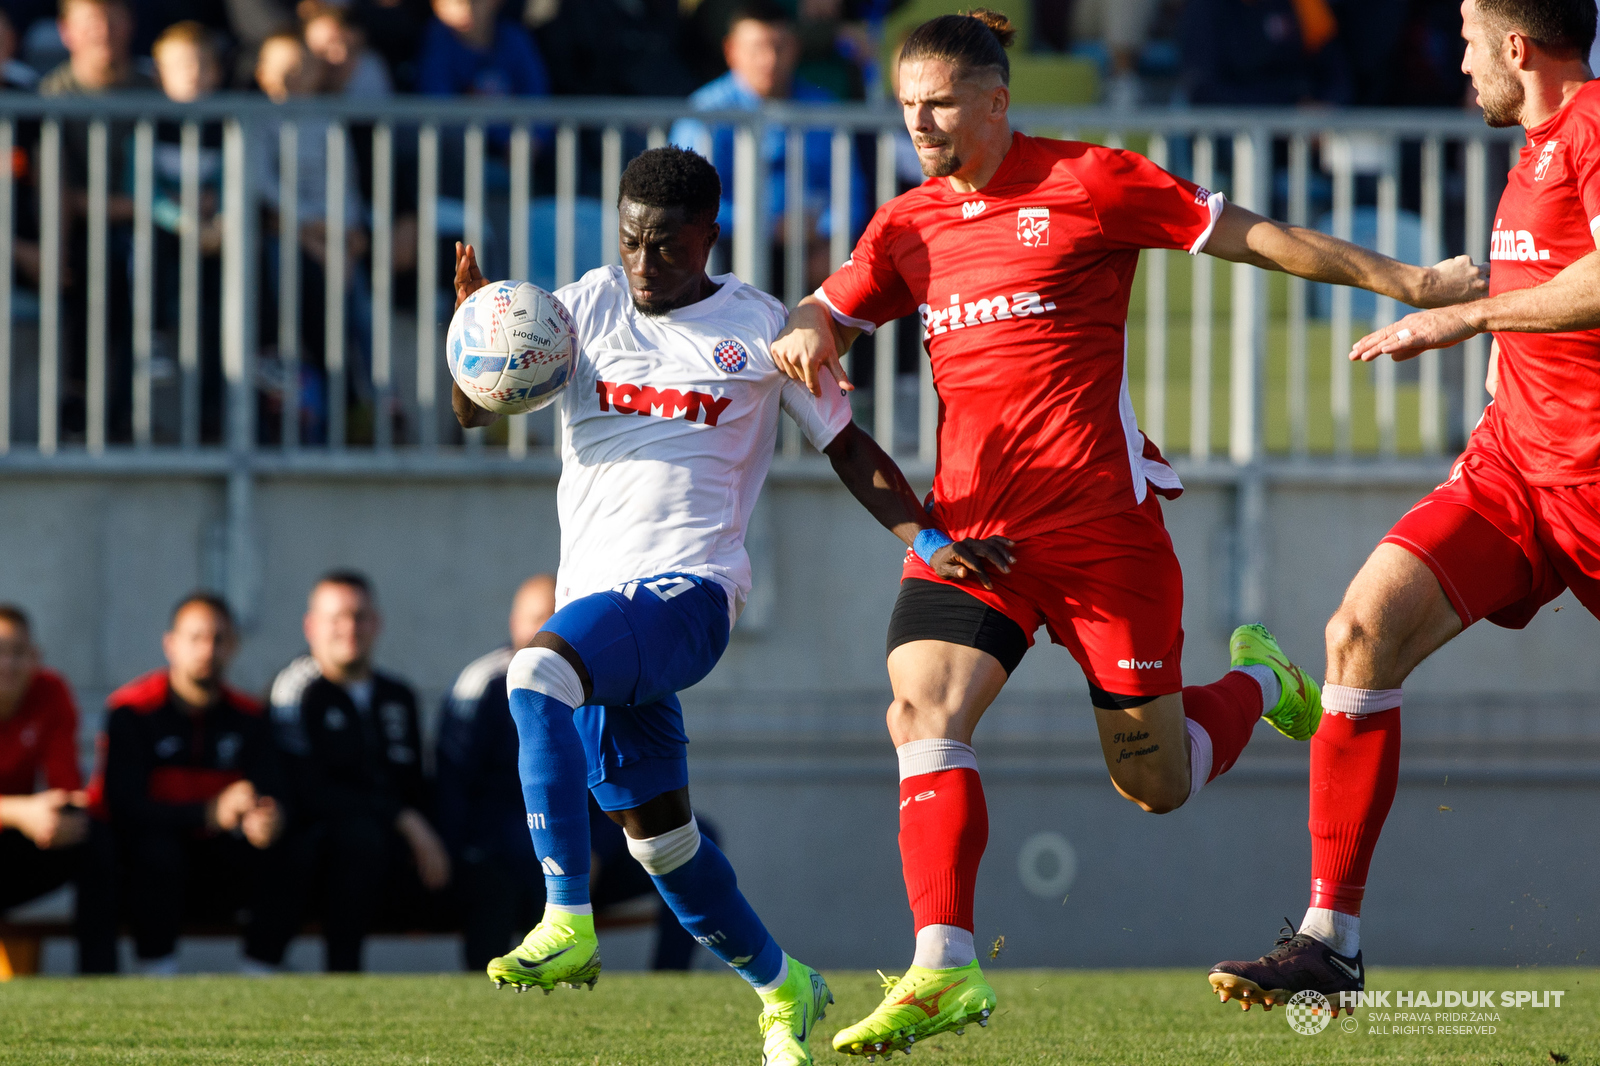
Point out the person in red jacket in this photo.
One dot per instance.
(188, 780)
(41, 816)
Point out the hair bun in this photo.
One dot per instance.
(998, 25)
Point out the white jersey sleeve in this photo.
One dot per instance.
(821, 418)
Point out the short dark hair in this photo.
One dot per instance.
(673, 177)
(970, 42)
(209, 599)
(353, 579)
(765, 11)
(1561, 27)
(10, 612)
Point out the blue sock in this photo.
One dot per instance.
(555, 792)
(704, 894)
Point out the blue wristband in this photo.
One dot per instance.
(929, 541)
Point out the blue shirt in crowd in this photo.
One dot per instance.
(511, 66)
(729, 93)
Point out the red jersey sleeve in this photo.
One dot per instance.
(868, 291)
(1586, 166)
(1139, 205)
(58, 747)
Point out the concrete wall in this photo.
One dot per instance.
(790, 757)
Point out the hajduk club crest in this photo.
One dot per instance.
(730, 356)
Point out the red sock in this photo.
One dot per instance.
(1227, 709)
(1355, 767)
(944, 827)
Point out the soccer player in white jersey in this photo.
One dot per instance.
(668, 429)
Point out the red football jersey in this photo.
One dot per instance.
(1023, 291)
(40, 739)
(1546, 411)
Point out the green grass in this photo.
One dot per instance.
(1126, 1018)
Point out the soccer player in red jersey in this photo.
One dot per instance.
(1519, 518)
(1019, 254)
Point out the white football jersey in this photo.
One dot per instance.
(668, 431)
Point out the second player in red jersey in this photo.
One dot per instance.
(1019, 255)
(1519, 518)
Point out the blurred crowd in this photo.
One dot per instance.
(318, 807)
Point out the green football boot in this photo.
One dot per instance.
(920, 1004)
(791, 1011)
(561, 950)
(1299, 708)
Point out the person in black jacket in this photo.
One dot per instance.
(352, 752)
(189, 780)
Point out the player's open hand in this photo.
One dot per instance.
(469, 279)
(806, 345)
(1454, 281)
(971, 557)
(1413, 335)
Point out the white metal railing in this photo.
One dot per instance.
(1283, 369)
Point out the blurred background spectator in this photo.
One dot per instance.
(349, 67)
(42, 822)
(189, 781)
(483, 819)
(359, 841)
(1264, 52)
(612, 47)
(15, 75)
(468, 49)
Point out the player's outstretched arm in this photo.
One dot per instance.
(875, 479)
(1243, 236)
(813, 339)
(1569, 301)
(469, 279)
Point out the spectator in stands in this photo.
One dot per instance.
(286, 69)
(97, 34)
(1263, 52)
(762, 50)
(189, 68)
(483, 820)
(41, 808)
(1121, 26)
(469, 50)
(353, 753)
(615, 48)
(349, 67)
(15, 75)
(190, 784)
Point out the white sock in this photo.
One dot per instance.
(1271, 687)
(1338, 930)
(1199, 755)
(941, 947)
(777, 982)
(581, 908)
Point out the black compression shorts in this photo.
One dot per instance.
(932, 610)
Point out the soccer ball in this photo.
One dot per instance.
(511, 347)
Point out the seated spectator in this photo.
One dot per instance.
(15, 75)
(1262, 52)
(352, 751)
(286, 70)
(190, 781)
(98, 36)
(42, 822)
(762, 50)
(349, 67)
(469, 50)
(483, 819)
(189, 68)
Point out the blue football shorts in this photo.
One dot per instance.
(642, 642)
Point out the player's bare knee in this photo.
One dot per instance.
(1154, 793)
(908, 718)
(1348, 633)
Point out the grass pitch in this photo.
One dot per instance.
(1046, 1016)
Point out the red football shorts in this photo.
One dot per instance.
(1502, 548)
(1110, 591)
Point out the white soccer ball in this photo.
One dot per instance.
(511, 347)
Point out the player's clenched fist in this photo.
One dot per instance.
(1454, 281)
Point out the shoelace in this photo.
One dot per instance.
(1285, 941)
(889, 983)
